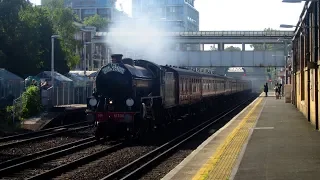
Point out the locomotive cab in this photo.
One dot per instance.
(117, 101)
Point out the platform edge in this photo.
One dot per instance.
(243, 150)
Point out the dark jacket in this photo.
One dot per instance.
(265, 88)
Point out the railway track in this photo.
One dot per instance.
(68, 155)
(36, 133)
(140, 166)
(38, 136)
(45, 163)
(19, 160)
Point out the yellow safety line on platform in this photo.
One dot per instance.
(220, 164)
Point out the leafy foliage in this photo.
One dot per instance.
(30, 105)
(232, 48)
(96, 21)
(62, 21)
(25, 36)
(269, 47)
(31, 102)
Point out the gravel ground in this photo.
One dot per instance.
(104, 166)
(32, 147)
(57, 162)
(162, 169)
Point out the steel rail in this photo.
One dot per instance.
(74, 164)
(24, 165)
(25, 135)
(28, 157)
(57, 132)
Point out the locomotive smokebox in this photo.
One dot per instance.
(116, 58)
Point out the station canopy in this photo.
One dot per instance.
(90, 74)
(81, 73)
(29, 80)
(59, 79)
(10, 83)
(7, 75)
(78, 79)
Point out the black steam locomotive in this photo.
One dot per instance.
(134, 96)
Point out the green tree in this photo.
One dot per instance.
(269, 47)
(62, 21)
(96, 21)
(31, 102)
(25, 36)
(213, 48)
(11, 34)
(31, 105)
(232, 48)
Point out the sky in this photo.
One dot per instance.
(240, 15)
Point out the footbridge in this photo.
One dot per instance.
(189, 47)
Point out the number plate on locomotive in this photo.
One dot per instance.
(117, 116)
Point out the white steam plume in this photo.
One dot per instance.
(142, 38)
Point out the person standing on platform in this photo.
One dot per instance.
(276, 90)
(266, 89)
(279, 90)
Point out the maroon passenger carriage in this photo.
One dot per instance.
(134, 96)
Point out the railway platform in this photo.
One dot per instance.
(59, 115)
(269, 139)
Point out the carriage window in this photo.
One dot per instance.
(197, 85)
(186, 85)
(182, 86)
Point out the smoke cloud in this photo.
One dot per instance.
(140, 39)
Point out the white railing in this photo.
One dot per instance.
(66, 95)
(17, 107)
(206, 33)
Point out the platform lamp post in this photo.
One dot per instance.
(52, 58)
(85, 65)
(287, 45)
(85, 56)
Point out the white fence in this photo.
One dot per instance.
(66, 95)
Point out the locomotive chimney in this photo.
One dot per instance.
(116, 58)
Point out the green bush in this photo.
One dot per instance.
(30, 105)
(3, 114)
(31, 102)
(8, 114)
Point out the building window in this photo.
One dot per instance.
(88, 11)
(92, 3)
(175, 1)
